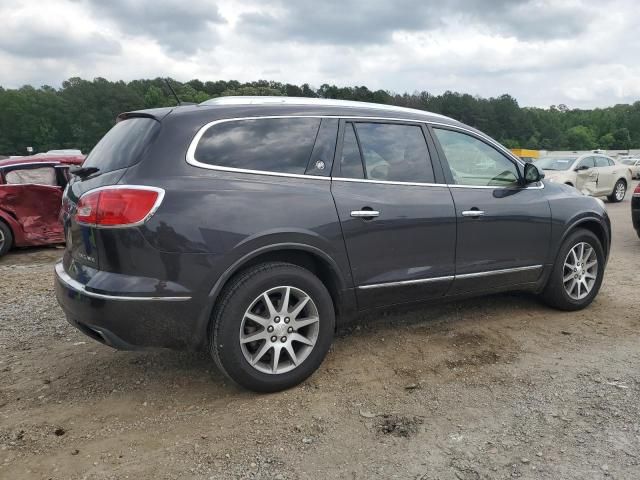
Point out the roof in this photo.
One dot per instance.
(326, 102)
(44, 158)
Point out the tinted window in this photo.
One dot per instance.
(602, 162)
(586, 162)
(473, 162)
(123, 145)
(324, 148)
(350, 161)
(280, 145)
(396, 153)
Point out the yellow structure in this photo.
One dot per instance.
(525, 154)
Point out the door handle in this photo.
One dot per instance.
(364, 213)
(473, 213)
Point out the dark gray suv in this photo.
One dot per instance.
(254, 227)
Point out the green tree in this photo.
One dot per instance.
(580, 138)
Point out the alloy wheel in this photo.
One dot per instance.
(279, 330)
(2, 239)
(620, 191)
(580, 271)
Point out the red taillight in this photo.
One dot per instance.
(636, 191)
(117, 206)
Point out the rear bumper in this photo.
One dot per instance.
(126, 322)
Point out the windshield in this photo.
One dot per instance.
(555, 163)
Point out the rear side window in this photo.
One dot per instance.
(123, 145)
(396, 153)
(350, 161)
(281, 145)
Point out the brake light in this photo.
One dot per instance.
(118, 206)
(636, 191)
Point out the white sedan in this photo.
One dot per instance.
(634, 165)
(593, 174)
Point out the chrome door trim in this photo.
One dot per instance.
(499, 272)
(450, 277)
(80, 288)
(406, 282)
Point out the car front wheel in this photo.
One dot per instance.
(272, 327)
(578, 272)
(6, 238)
(619, 191)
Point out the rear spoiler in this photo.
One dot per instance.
(154, 113)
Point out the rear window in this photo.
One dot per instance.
(281, 145)
(123, 145)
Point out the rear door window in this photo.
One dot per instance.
(350, 160)
(123, 145)
(281, 145)
(393, 152)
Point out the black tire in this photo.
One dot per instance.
(227, 317)
(554, 293)
(612, 198)
(7, 238)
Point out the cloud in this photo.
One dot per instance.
(577, 52)
(179, 26)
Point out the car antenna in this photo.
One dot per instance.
(166, 80)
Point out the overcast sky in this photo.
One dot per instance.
(582, 53)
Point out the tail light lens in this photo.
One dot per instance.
(118, 206)
(636, 191)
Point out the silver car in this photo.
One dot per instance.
(593, 174)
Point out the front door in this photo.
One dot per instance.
(504, 228)
(587, 176)
(398, 225)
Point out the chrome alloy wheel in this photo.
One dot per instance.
(580, 271)
(279, 330)
(2, 239)
(620, 191)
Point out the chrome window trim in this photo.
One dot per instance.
(79, 287)
(191, 160)
(450, 277)
(154, 209)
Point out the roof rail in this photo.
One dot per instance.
(329, 102)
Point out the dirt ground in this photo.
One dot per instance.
(497, 387)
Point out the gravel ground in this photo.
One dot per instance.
(496, 387)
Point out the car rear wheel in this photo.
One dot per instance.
(6, 238)
(272, 327)
(578, 272)
(619, 191)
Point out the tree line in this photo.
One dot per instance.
(79, 113)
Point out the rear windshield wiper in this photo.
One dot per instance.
(83, 172)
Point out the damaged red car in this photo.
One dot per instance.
(30, 199)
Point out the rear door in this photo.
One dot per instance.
(504, 228)
(397, 215)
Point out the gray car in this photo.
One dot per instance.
(254, 227)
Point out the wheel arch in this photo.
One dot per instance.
(595, 226)
(306, 256)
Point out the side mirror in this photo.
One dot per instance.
(532, 174)
(581, 167)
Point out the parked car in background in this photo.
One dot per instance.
(634, 165)
(253, 227)
(635, 209)
(592, 174)
(30, 199)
